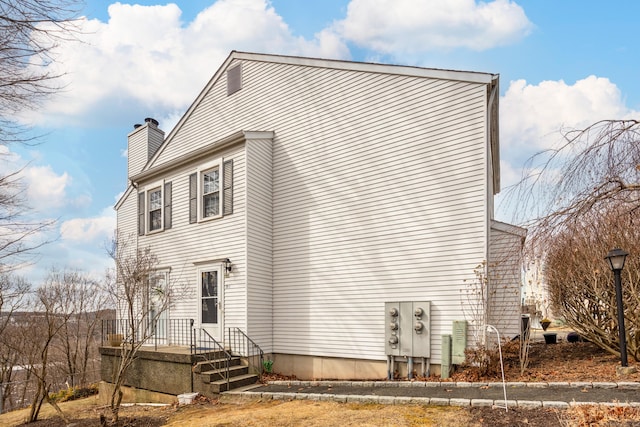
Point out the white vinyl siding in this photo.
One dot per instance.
(186, 245)
(505, 279)
(259, 243)
(127, 229)
(379, 188)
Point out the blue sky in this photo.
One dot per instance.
(561, 64)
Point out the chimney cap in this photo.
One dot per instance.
(152, 121)
(137, 125)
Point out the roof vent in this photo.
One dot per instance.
(234, 79)
(151, 121)
(137, 125)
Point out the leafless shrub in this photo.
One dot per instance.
(140, 302)
(581, 284)
(592, 169)
(578, 201)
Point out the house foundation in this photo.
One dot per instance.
(335, 368)
(133, 395)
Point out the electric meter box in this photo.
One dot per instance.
(408, 328)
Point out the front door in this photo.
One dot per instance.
(211, 312)
(158, 304)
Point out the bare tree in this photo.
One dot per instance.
(52, 338)
(488, 300)
(593, 169)
(83, 299)
(40, 329)
(14, 293)
(578, 201)
(140, 302)
(580, 283)
(30, 30)
(19, 236)
(13, 297)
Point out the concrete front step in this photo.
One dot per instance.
(211, 365)
(234, 383)
(215, 374)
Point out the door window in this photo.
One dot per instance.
(210, 296)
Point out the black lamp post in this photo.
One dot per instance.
(616, 258)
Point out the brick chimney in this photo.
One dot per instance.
(144, 141)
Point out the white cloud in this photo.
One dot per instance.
(97, 229)
(411, 26)
(145, 57)
(45, 188)
(531, 116)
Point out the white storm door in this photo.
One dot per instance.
(211, 312)
(158, 306)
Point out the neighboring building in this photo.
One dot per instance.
(337, 190)
(535, 296)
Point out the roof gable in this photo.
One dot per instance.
(490, 80)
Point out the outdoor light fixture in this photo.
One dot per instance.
(227, 265)
(616, 258)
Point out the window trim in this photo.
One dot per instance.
(148, 189)
(217, 164)
(149, 211)
(226, 184)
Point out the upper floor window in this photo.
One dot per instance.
(154, 208)
(211, 191)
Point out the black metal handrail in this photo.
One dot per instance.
(239, 343)
(159, 332)
(203, 345)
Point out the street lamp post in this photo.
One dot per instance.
(616, 258)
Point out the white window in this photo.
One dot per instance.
(154, 208)
(210, 193)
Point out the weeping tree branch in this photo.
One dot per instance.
(578, 201)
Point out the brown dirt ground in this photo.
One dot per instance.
(559, 362)
(571, 362)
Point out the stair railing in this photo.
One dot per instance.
(159, 332)
(240, 344)
(203, 345)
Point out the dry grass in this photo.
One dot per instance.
(235, 412)
(593, 416)
(316, 414)
(242, 412)
(561, 362)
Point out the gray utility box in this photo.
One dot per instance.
(408, 328)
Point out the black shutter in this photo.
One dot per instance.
(167, 205)
(227, 184)
(141, 214)
(193, 198)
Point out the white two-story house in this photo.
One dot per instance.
(304, 200)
